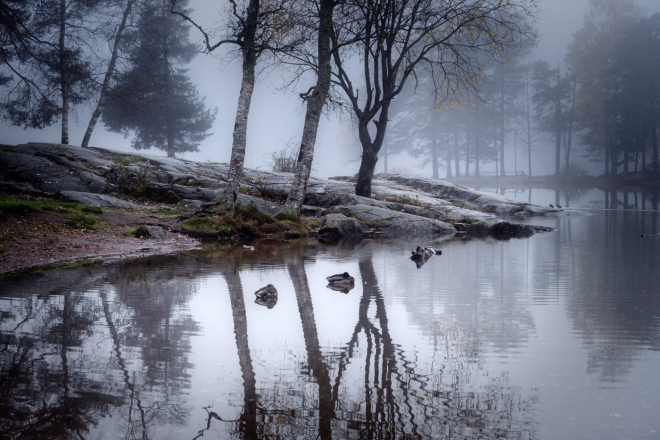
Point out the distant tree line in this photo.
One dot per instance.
(605, 100)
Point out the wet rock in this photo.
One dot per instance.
(400, 206)
(461, 227)
(461, 195)
(155, 231)
(95, 200)
(338, 226)
(396, 224)
(500, 229)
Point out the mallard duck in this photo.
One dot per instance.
(424, 253)
(267, 292)
(341, 279)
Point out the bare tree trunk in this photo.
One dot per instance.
(169, 124)
(456, 152)
(557, 121)
(502, 171)
(570, 125)
(477, 146)
(515, 152)
(64, 86)
(434, 158)
(614, 154)
(244, 99)
(654, 137)
(557, 153)
(315, 101)
(449, 175)
(108, 75)
(370, 149)
(529, 130)
(467, 154)
(366, 173)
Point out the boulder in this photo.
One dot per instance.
(338, 226)
(500, 229)
(155, 231)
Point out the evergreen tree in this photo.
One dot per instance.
(637, 65)
(55, 74)
(154, 99)
(551, 92)
(592, 55)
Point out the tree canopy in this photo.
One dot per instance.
(154, 98)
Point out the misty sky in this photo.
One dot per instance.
(276, 118)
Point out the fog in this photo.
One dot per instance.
(276, 116)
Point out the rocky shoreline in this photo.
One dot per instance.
(141, 184)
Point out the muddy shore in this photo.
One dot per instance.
(41, 241)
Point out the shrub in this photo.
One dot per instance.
(285, 160)
(139, 232)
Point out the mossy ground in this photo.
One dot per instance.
(244, 221)
(19, 216)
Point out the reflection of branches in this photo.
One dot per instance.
(122, 364)
(211, 415)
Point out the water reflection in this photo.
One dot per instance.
(584, 197)
(446, 351)
(92, 344)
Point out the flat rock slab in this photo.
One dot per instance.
(396, 224)
(92, 199)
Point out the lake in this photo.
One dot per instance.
(552, 337)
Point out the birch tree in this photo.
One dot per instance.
(252, 28)
(126, 9)
(316, 98)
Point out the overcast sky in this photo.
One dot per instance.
(277, 117)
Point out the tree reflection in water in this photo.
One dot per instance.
(109, 357)
(396, 397)
(92, 346)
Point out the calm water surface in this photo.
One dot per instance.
(552, 337)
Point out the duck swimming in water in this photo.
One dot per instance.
(267, 292)
(424, 253)
(341, 279)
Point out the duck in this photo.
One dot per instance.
(267, 292)
(424, 253)
(551, 205)
(341, 279)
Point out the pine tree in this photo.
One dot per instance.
(54, 74)
(154, 99)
